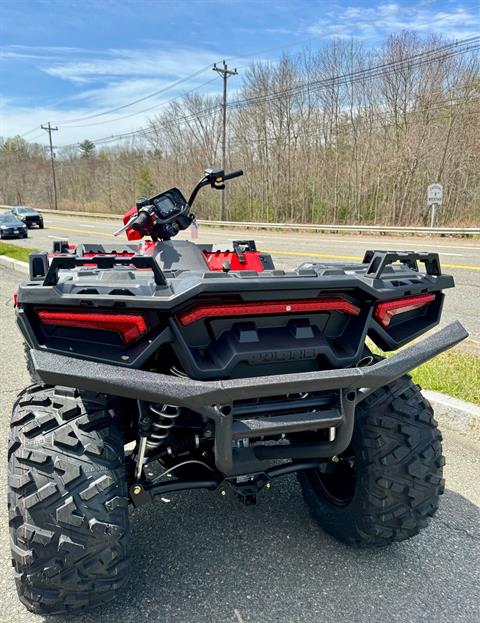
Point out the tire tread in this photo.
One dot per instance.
(67, 499)
(398, 455)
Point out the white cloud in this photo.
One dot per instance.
(382, 19)
(113, 77)
(16, 119)
(120, 62)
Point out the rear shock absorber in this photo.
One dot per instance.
(163, 419)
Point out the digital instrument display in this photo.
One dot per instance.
(165, 206)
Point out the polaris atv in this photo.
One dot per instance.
(166, 365)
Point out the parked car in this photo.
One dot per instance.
(28, 215)
(12, 227)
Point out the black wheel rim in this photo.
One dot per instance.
(336, 479)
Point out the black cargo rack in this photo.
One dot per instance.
(40, 269)
(378, 260)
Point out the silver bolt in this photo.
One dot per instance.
(223, 492)
(268, 485)
(335, 459)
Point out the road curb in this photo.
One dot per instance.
(455, 414)
(15, 265)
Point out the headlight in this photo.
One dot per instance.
(3, 227)
(23, 218)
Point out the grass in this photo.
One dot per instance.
(454, 373)
(17, 253)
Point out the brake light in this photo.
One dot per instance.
(384, 312)
(129, 326)
(207, 310)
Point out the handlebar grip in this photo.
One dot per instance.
(141, 222)
(230, 176)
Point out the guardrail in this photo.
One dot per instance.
(379, 229)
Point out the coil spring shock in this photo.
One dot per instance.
(163, 419)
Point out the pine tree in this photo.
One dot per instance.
(87, 148)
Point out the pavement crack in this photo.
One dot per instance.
(464, 531)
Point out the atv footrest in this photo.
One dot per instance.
(290, 423)
(232, 460)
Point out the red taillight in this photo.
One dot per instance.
(15, 299)
(129, 326)
(208, 310)
(384, 312)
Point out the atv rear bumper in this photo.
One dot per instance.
(216, 399)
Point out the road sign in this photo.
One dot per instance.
(435, 194)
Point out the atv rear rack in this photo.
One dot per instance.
(41, 270)
(215, 400)
(378, 260)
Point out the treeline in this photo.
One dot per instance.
(343, 134)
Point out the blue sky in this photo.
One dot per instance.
(66, 59)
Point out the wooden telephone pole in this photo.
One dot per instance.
(225, 73)
(49, 129)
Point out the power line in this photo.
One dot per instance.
(460, 114)
(30, 131)
(337, 31)
(377, 71)
(416, 60)
(137, 101)
(331, 33)
(139, 112)
(34, 138)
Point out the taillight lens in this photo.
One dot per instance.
(129, 326)
(208, 310)
(384, 312)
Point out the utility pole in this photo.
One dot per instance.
(225, 73)
(49, 129)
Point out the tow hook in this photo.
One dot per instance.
(247, 486)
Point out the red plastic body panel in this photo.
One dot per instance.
(131, 233)
(216, 259)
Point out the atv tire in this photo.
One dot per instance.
(385, 487)
(67, 499)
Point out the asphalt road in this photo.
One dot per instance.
(203, 558)
(459, 256)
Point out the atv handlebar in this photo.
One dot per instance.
(164, 215)
(141, 222)
(214, 178)
(230, 176)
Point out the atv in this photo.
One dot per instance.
(163, 365)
